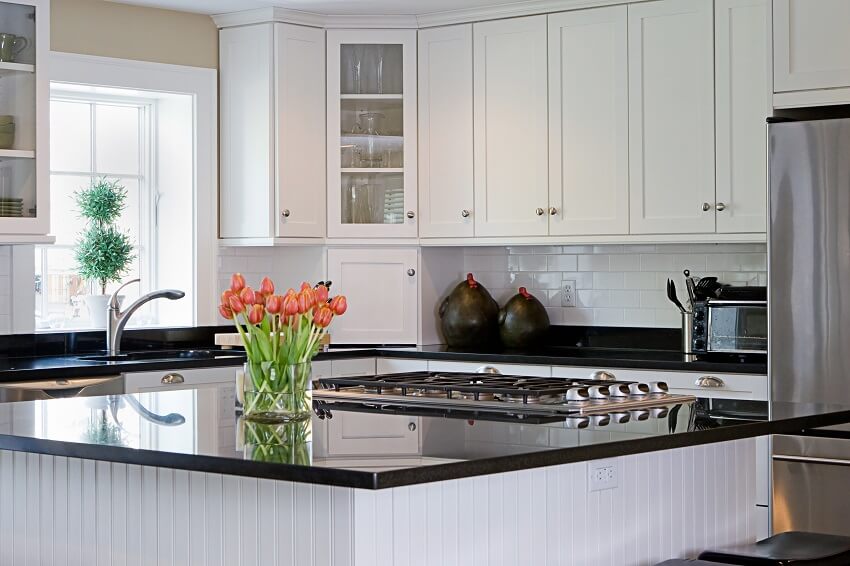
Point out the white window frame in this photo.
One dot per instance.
(147, 178)
(202, 85)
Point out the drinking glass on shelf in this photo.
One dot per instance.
(371, 153)
(380, 69)
(350, 156)
(361, 205)
(356, 68)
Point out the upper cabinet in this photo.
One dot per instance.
(743, 102)
(811, 45)
(371, 133)
(445, 132)
(24, 118)
(588, 122)
(272, 132)
(671, 117)
(511, 127)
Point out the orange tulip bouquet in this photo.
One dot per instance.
(281, 335)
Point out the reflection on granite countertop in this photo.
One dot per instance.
(198, 429)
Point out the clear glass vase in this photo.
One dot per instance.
(279, 443)
(277, 393)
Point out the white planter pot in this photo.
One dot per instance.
(97, 309)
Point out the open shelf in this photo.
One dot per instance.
(24, 153)
(371, 96)
(6, 67)
(372, 169)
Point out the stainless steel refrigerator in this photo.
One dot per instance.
(809, 316)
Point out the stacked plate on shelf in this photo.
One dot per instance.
(11, 207)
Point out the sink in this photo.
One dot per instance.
(155, 355)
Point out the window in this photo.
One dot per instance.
(96, 137)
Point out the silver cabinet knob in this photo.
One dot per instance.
(720, 207)
(490, 370)
(411, 272)
(706, 206)
(709, 382)
(540, 212)
(172, 378)
(411, 427)
(410, 214)
(603, 375)
(285, 213)
(553, 211)
(464, 213)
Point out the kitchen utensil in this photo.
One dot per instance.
(523, 321)
(469, 316)
(671, 294)
(706, 288)
(689, 284)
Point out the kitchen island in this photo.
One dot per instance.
(176, 477)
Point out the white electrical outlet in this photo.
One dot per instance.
(568, 294)
(603, 475)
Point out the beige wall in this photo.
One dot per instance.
(108, 29)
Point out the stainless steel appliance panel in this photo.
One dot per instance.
(809, 266)
(61, 388)
(808, 495)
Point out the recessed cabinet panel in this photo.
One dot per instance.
(811, 44)
(445, 132)
(382, 287)
(247, 120)
(300, 132)
(371, 144)
(671, 117)
(588, 122)
(511, 127)
(742, 43)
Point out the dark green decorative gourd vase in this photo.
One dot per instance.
(469, 315)
(523, 321)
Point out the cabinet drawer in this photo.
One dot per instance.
(353, 367)
(731, 386)
(507, 369)
(179, 379)
(396, 365)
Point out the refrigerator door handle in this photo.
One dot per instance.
(812, 459)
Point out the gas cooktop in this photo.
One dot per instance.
(499, 393)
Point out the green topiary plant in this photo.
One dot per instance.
(103, 252)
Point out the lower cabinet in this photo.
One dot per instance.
(382, 286)
(165, 380)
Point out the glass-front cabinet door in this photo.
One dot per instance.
(23, 122)
(372, 134)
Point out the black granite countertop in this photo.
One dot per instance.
(47, 367)
(198, 430)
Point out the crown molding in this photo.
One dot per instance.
(287, 16)
(512, 10)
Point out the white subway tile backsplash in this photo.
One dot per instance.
(594, 263)
(615, 284)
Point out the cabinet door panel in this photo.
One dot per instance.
(588, 122)
(300, 132)
(364, 434)
(811, 44)
(445, 132)
(511, 130)
(671, 117)
(742, 41)
(247, 149)
(382, 295)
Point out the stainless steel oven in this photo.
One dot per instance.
(730, 326)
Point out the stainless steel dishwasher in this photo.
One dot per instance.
(61, 388)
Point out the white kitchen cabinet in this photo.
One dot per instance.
(671, 117)
(588, 122)
(353, 367)
(382, 286)
(272, 134)
(24, 171)
(398, 365)
(743, 102)
(371, 134)
(505, 369)
(445, 132)
(511, 127)
(811, 46)
(168, 380)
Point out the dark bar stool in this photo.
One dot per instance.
(786, 549)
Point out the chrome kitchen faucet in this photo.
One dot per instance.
(117, 320)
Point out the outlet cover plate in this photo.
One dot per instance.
(602, 474)
(568, 293)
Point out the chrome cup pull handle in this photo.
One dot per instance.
(172, 378)
(709, 382)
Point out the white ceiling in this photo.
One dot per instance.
(325, 7)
